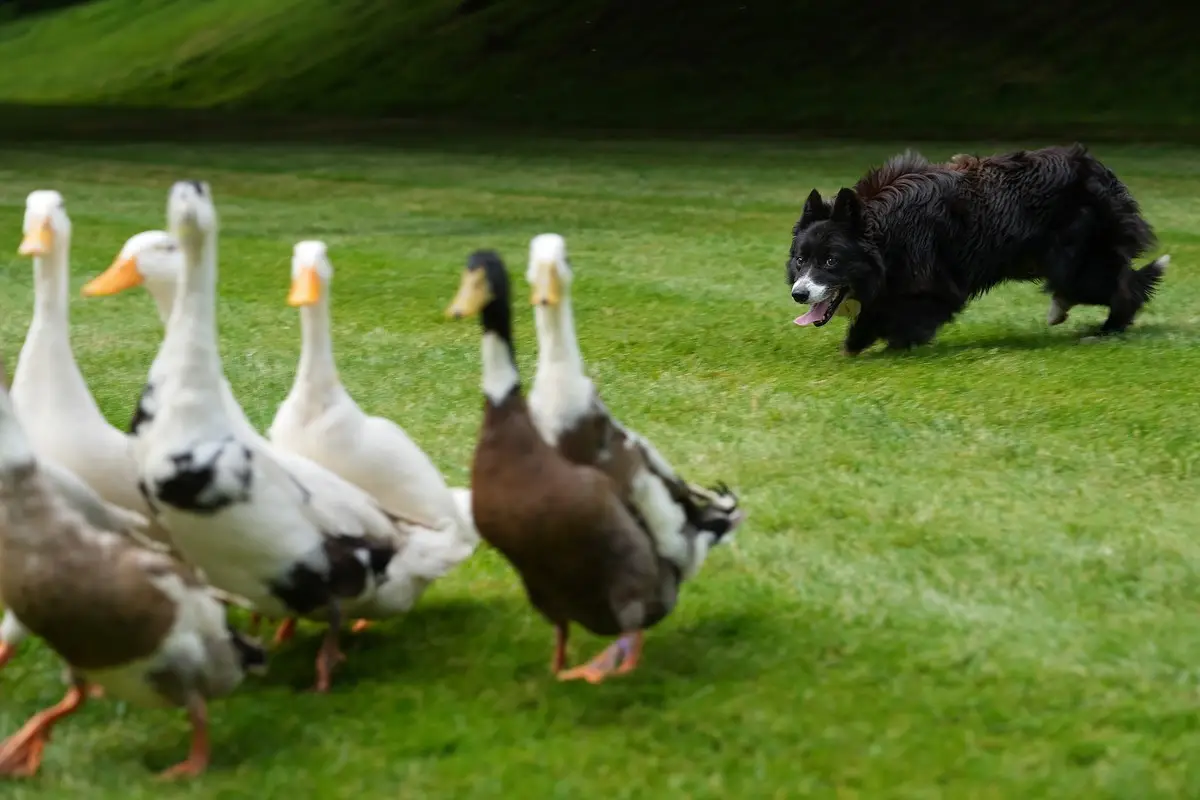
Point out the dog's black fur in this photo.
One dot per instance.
(913, 242)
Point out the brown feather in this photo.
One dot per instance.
(87, 593)
(582, 555)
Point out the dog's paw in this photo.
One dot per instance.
(1058, 312)
(1096, 336)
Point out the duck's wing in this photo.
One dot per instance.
(714, 509)
(684, 519)
(98, 512)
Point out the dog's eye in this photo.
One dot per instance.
(829, 262)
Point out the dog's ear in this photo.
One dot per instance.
(847, 210)
(815, 210)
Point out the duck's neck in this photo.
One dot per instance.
(317, 375)
(46, 367)
(500, 376)
(51, 279)
(164, 300)
(558, 349)
(190, 344)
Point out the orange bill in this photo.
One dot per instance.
(547, 287)
(473, 295)
(37, 242)
(122, 275)
(306, 288)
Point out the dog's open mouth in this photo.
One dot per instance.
(820, 313)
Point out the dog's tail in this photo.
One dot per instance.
(1131, 233)
(1144, 282)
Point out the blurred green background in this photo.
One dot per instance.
(919, 69)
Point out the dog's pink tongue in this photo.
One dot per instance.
(815, 313)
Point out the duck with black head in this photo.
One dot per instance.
(581, 549)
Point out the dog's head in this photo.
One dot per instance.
(829, 266)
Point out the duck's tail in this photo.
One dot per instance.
(716, 510)
(462, 500)
(252, 656)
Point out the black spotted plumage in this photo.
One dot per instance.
(147, 495)
(343, 570)
(251, 654)
(303, 588)
(913, 242)
(142, 414)
(195, 484)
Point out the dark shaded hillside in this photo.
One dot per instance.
(924, 67)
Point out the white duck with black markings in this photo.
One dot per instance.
(154, 261)
(257, 528)
(319, 419)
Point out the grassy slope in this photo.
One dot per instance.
(929, 68)
(971, 571)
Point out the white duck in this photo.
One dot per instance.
(320, 420)
(153, 260)
(132, 620)
(150, 259)
(684, 519)
(258, 529)
(53, 402)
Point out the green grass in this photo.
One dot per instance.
(971, 571)
(916, 69)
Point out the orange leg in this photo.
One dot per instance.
(197, 760)
(287, 629)
(21, 754)
(7, 651)
(609, 662)
(329, 656)
(633, 655)
(561, 633)
(360, 625)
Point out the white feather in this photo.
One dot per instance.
(245, 547)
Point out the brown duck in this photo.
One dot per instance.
(126, 617)
(580, 548)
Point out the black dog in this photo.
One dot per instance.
(913, 242)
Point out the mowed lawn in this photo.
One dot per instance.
(969, 571)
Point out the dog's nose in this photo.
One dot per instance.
(800, 295)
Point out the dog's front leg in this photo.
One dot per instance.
(863, 333)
